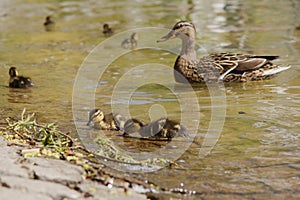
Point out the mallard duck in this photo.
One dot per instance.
(105, 121)
(49, 24)
(130, 43)
(107, 30)
(161, 128)
(227, 67)
(16, 81)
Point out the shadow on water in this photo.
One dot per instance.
(258, 152)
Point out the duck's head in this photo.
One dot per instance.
(183, 30)
(13, 72)
(95, 115)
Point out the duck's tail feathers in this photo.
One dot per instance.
(275, 70)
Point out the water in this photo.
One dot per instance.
(257, 154)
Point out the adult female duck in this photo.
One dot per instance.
(227, 67)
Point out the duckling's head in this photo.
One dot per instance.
(176, 130)
(48, 18)
(95, 115)
(105, 27)
(183, 30)
(13, 72)
(169, 128)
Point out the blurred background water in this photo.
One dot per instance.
(258, 151)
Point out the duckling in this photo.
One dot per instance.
(16, 81)
(107, 30)
(161, 128)
(49, 24)
(227, 67)
(130, 43)
(106, 121)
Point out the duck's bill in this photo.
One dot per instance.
(170, 35)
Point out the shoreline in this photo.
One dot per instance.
(39, 162)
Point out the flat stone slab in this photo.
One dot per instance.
(32, 186)
(9, 194)
(98, 191)
(10, 167)
(54, 170)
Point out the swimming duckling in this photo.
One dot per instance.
(130, 43)
(107, 30)
(161, 128)
(106, 121)
(16, 81)
(49, 24)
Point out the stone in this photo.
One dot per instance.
(32, 186)
(98, 191)
(55, 170)
(9, 167)
(9, 159)
(8, 194)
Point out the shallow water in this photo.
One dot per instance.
(258, 151)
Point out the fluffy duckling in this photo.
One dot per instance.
(16, 81)
(130, 43)
(49, 24)
(161, 128)
(106, 121)
(107, 30)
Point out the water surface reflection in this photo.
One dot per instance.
(257, 155)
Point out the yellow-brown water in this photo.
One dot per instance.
(258, 151)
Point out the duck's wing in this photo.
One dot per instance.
(228, 62)
(252, 62)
